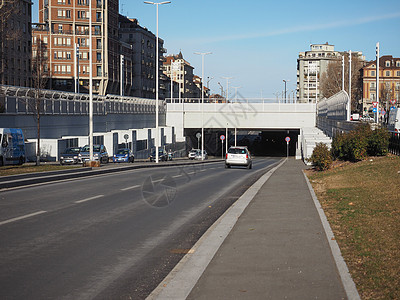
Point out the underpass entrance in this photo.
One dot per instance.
(259, 142)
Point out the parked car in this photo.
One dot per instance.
(124, 155)
(367, 118)
(238, 156)
(99, 153)
(70, 156)
(198, 155)
(192, 153)
(162, 155)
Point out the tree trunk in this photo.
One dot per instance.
(38, 133)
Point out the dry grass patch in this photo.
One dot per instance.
(15, 170)
(362, 203)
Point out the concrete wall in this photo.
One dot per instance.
(240, 115)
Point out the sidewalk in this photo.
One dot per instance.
(278, 249)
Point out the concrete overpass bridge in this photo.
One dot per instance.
(245, 122)
(261, 124)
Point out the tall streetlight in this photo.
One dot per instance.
(90, 85)
(157, 75)
(236, 88)
(227, 87)
(202, 100)
(285, 81)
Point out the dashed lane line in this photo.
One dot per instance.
(89, 199)
(130, 188)
(22, 217)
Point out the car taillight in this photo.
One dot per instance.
(247, 156)
(226, 156)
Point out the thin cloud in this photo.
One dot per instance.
(305, 28)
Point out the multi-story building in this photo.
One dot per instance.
(15, 42)
(182, 73)
(64, 26)
(311, 65)
(142, 42)
(389, 83)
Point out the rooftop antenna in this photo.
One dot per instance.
(122, 8)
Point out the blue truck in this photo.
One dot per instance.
(12, 147)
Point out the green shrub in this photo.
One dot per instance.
(321, 157)
(378, 143)
(359, 143)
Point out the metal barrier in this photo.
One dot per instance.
(394, 143)
(22, 100)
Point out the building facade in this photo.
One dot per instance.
(142, 42)
(15, 42)
(181, 71)
(389, 83)
(64, 29)
(311, 65)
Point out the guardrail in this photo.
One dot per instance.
(21, 100)
(394, 143)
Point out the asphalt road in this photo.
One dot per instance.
(113, 236)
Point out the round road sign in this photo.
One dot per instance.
(287, 139)
(222, 137)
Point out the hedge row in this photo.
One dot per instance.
(353, 146)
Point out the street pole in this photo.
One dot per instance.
(122, 76)
(349, 104)
(377, 82)
(285, 81)
(308, 81)
(343, 73)
(90, 85)
(157, 74)
(227, 88)
(202, 100)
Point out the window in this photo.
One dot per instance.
(98, 56)
(372, 73)
(387, 73)
(69, 69)
(398, 63)
(68, 55)
(45, 40)
(98, 70)
(397, 73)
(387, 63)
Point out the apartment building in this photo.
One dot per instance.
(15, 42)
(142, 42)
(311, 65)
(389, 83)
(181, 71)
(64, 30)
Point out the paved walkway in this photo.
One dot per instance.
(278, 249)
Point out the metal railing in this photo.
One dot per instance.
(21, 100)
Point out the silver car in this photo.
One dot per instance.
(238, 156)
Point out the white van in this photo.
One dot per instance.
(394, 120)
(12, 146)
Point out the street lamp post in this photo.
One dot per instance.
(202, 100)
(157, 75)
(227, 87)
(285, 81)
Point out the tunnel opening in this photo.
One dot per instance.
(259, 142)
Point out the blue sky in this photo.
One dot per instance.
(257, 42)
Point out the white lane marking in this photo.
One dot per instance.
(90, 198)
(175, 176)
(23, 217)
(130, 188)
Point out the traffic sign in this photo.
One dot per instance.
(392, 107)
(222, 137)
(375, 104)
(287, 139)
(383, 112)
(198, 135)
(374, 109)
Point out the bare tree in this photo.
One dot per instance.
(39, 80)
(331, 80)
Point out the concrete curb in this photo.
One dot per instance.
(7, 182)
(347, 281)
(181, 280)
